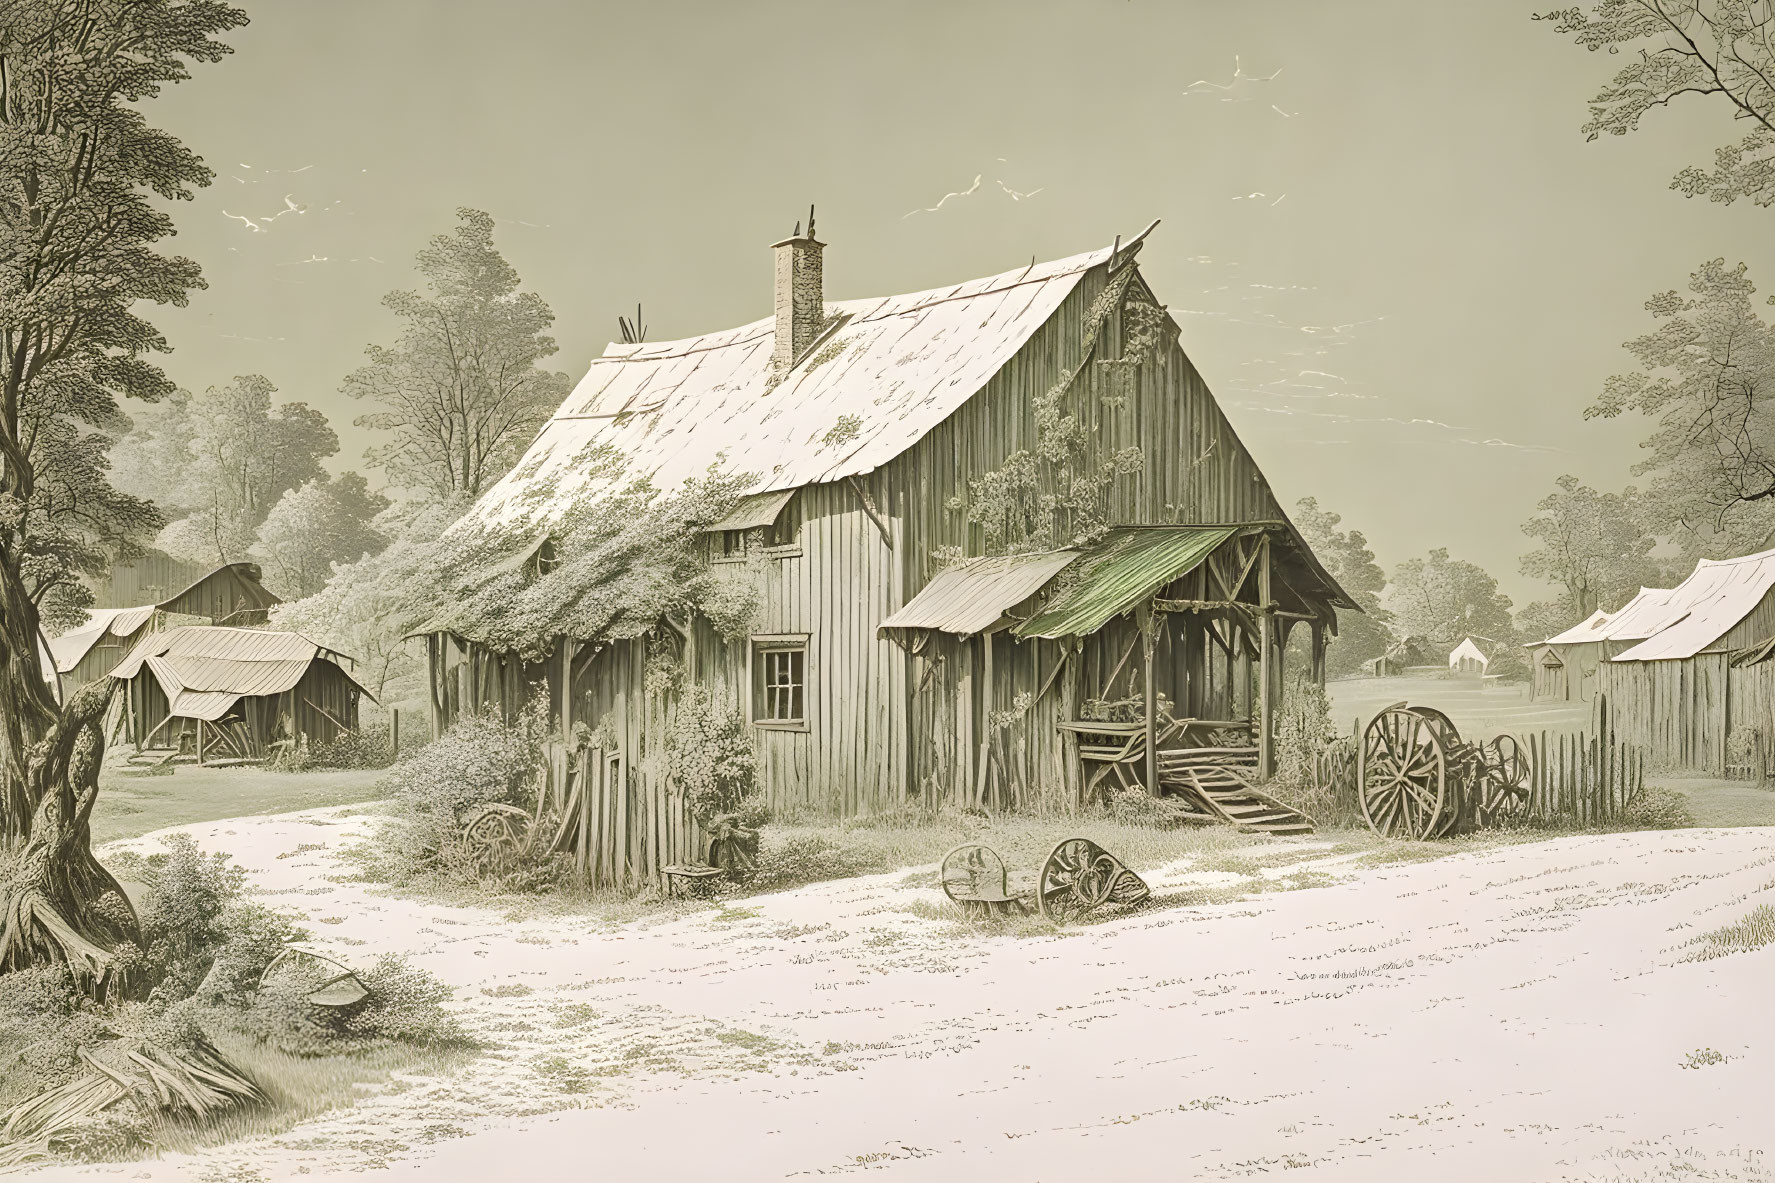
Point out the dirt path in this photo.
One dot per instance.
(1522, 1013)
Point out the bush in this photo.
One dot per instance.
(710, 753)
(405, 1004)
(801, 859)
(199, 937)
(44, 1022)
(366, 747)
(1659, 809)
(480, 760)
(1137, 807)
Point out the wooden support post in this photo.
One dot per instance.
(1318, 667)
(394, 731)
(1150, 636)
(200, 741)
(985, 770)
(966, 706)
(1266, 659)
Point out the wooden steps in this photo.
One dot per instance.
(1221, 782)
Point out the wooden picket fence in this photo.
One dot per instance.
(1583, 778)
(621, 827)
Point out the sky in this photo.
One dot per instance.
(1394, 257)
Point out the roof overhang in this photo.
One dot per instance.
(754, 512)
(976, 595)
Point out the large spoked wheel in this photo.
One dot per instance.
(1402, 776)
(1080, 876)
(1505, 790)
(496, 835)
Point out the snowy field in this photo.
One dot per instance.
(1527, 1012)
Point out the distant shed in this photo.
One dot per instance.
(1703, 672)
(234, 691)
(229, 595)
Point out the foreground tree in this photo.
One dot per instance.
(77, 163)
(463, 391)
(1592, 546)
(76, 521)
(1706, 382)
(1724, 48)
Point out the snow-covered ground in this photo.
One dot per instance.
(1522, 1013)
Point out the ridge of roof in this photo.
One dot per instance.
(891, 370)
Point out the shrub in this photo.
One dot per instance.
(366, 747)
(1659, 809)
(800, 859)
(44, 1022)
(480, 760)
(1137, 807)
(405, 1004)
(710, 754)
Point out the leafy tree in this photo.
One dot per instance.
(1706, 381)
(1688, 47)
(1592, 546)
(315, 527)
(78, 224)
(1446, 599)
(369, 606)
(1362, 635)
(243, 454)
(76, 522)
(1541, 619)
(462, 392)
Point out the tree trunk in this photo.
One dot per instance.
(27, 708)
(60, 905)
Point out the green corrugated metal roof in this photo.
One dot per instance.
(1124, 569)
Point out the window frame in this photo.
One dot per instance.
(759, 647)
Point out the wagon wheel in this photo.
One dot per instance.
(1402, 777)
(1079, 876)
(496, 834)
(1506, 788)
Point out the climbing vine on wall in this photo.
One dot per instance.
(1057, 494)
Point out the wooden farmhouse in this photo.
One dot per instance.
(904, 652)
(1692, 666)
(233, 693)
(230, 594)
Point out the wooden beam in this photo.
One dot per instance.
(985, 769)
(887, 535)
(1150, 636)
(1266, 703)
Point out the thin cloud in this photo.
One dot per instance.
(931, 209)
(1236, 90)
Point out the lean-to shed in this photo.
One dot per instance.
(234, 692)
(912, 643)
(229, 594)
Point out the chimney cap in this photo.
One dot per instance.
(796, 235)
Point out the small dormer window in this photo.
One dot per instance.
(544, 559)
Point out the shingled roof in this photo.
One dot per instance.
(885, 372)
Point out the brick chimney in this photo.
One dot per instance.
(800, 303)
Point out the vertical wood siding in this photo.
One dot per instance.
(882, 723)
